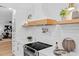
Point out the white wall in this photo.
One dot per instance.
(56, 33)
(5, 17)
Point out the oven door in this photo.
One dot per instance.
(28, 51)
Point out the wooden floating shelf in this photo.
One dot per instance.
(42, 22)
(73, 21)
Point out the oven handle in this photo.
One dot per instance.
(31, 48)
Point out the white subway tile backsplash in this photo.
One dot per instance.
(55, 34)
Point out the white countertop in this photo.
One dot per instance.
(47, 51)
(50, 52)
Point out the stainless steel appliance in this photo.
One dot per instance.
(32, 49)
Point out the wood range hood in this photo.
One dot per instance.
(41, 22)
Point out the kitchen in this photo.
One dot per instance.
(49, 34)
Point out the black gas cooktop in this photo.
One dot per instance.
(38, 45)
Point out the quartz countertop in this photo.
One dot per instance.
(49, 52)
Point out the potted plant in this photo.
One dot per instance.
(64, 13)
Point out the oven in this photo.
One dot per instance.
(32, 49)
(28, 51)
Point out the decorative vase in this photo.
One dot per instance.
(68, 44)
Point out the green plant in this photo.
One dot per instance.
(64, 12)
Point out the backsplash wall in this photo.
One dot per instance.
(56, 34)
